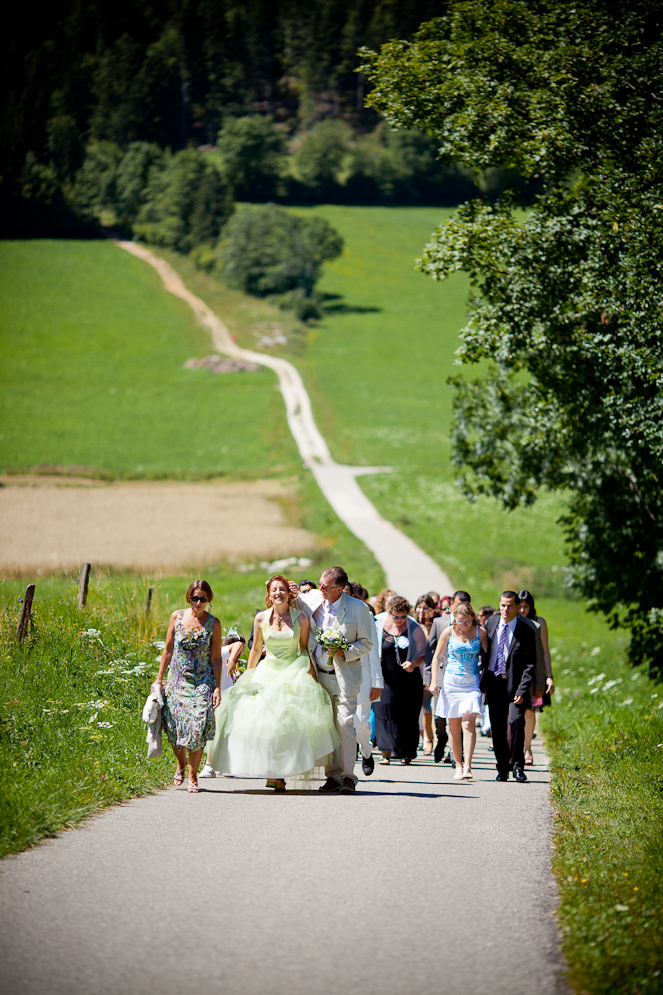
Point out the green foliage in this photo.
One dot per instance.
(93, 192)
(322, 160)
(131, 180)
(252, 155)
(567, 306)
(92, 375)
(185, 202)
(267, 250)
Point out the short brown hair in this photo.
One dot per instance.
(201, 585)
(268, 584)
(397, 603)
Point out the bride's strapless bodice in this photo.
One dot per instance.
(282, 645)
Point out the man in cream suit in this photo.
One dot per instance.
(341, 674)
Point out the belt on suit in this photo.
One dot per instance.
(324, 670)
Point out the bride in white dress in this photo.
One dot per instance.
(276, 721)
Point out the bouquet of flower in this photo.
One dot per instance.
(331, 639)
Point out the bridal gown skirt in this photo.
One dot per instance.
(276, 721)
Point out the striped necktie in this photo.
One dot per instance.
(500, 667)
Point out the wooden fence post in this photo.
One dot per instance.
(25, 613)
(83, 582)
(148, 603)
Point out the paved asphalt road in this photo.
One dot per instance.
(417, 884)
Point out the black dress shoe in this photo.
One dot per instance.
(347, 786)
(438, 752)
(502, 776)
(449, 759)
(368, 765)
(330, 787)
(519, 774)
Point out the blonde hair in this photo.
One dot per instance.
(465, 610)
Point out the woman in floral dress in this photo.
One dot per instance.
(192, 655)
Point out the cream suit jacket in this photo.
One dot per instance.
(352, 618)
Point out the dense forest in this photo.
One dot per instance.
(97, 77)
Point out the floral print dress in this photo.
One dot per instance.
(188, 712)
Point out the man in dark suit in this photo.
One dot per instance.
(508, 671)
(437, 628)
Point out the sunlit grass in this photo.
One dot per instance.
(93, 374)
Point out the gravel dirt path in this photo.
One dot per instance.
(417, 884)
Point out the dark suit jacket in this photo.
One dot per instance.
(520, 661)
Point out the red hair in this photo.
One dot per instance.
(268, 584)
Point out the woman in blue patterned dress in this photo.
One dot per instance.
(192, 655)
(459, 699)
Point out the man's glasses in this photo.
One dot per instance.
(399, 618)
(202, 601)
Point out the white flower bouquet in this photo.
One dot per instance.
(331, 639)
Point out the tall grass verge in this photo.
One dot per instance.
(605, 738)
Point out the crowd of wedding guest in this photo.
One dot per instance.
(337, 677)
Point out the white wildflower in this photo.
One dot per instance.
(595, 651)
(594, 690)
(611, 684)
(92, 633)
(105, 725)
(158, 643)
(92, 718)
(593, 680)
(627, 701)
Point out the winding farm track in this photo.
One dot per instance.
(407, 568)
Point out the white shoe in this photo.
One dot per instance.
(207, 771)
(467, 774)
(458, 775)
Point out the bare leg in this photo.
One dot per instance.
(180, 753)
(195, 757)
(386, 756)
(456, 746)
(530, 726)
(428, 733)
(469, 740)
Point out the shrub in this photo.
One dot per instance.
(132, 177)
(266, 250)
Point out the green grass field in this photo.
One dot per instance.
(92, 374)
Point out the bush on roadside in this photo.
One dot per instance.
(322, 161)
(268, 251)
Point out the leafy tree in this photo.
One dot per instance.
(252, 152)
(266, 251)
(568, 298)
(131, 180)
(94, 188)
(322, 160)
(184, 201)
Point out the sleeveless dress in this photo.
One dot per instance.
(188, 713)
(460, 685)
(276, 720)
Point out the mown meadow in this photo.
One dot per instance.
(376, 367)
